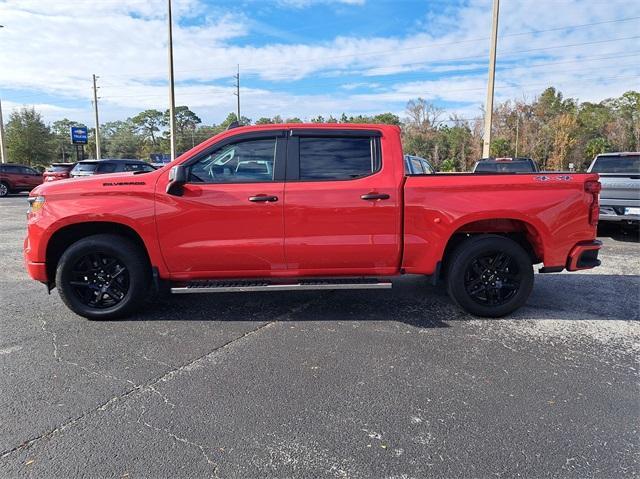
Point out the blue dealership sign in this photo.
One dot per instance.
(79, 135)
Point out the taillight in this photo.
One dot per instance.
(593, 187)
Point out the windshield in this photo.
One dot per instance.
(617, 164)
(516, 166)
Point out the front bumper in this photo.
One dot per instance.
(584, 255)
(36, 270)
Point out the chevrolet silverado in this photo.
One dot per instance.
(305, 206)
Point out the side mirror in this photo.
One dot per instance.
(177, 179)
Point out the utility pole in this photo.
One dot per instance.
(237, 93)
(95, 110)
(3, 146)
(172, 98)
(517, 130)
(488, 114)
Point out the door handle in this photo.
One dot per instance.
(259, 198)
(375, 196)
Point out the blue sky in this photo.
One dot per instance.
(308, 57)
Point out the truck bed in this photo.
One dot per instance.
(551, 210)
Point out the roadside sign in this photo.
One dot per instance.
(79, 135)
(571, 167)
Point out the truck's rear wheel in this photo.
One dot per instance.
(103, 277)
(490, 276)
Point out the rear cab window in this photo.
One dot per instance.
(85, 168)
(508, 166)
(617, 164)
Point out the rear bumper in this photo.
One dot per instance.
(584, 255)
(619, 211)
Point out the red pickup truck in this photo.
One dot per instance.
(305, 206)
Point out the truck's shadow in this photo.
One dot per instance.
(412, 301)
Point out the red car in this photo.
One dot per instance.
(58, 171)
(306, 206)
(16, 178)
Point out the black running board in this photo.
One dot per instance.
(246, 286)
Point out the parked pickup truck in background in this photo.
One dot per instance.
(305, 206)
(620, 178)
(505, 165)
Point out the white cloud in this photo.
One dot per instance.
(53, 47)
(308, 3)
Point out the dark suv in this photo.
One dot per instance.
(15, 178)
(99, 167)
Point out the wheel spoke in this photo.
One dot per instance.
(491, 279)
(501, 262)
(99, 280)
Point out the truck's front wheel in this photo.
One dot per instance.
(490, 276)
(103, 277)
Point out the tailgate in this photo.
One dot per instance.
(620, 186)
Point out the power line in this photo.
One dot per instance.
(341, 80)
(395, 50)
(398, 80)
(199, 94)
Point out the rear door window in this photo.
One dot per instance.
(107, 167)
(333, 158)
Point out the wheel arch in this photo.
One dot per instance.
(70, 234)
(521, 231)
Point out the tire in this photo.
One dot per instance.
(103, 277)
(4, 189)
(490, 276)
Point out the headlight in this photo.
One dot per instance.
(35, 203)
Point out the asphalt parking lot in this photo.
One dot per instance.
(364, 384)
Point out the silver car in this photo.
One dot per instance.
(620, 178)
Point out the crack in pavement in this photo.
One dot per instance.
(149, 386)
(183, 440)
(61, 360)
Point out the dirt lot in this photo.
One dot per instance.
(363, 384)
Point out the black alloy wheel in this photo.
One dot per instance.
(100, 280)
(104, 276)
(489, 275)
(492, 279)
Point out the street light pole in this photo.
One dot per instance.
(172, 100)
(3, 146)
(95, 108)
(237, 93)
(488, 114)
